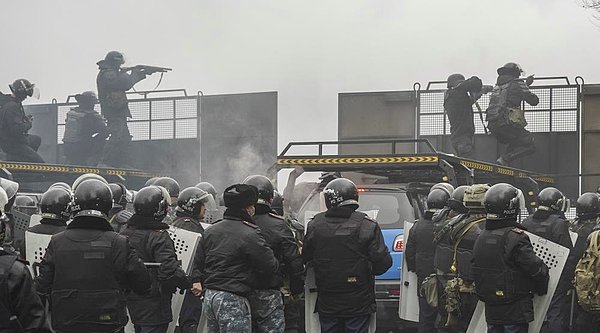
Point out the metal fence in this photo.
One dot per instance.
(152, 119)
(557, 111)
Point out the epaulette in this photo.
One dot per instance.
(276, 216)
(250, 224)
(370, 219)
(518, 230)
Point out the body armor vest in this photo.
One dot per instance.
(86, 295)
(497, 108)
(73, 126)
(543, 228)
(496, 282)
(345, 268)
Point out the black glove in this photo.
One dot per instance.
(529, 80)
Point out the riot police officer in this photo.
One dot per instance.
(55, 206)
(88, 267)
(209, 188)
(113, 82)
(172, 187)
(21, 310)
(458, 103)
(191, 207)
(148, 236)
(549, 222)
(7, 237)
(504, 115)
(347, 250)
(506, 269)
(15, 140)
(266, 301)
(419, 254)
(452, 262)
(85, 131)
(234, 258)
(587, 210)
(118, 215)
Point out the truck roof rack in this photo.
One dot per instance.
(431, 166)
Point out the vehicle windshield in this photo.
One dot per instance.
(389, 208)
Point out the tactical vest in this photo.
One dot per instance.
(73, 126)
(543, 228)
(497, 109)
(345, 267)
(454, 252)
(86, 295)
(495, 281)
(6, 262)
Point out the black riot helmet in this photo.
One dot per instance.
(119, 193)
(87, 99)
(456, 200)
(171, 185)
(551, 199)
(341, 192)
(277, 204)
(264, 186)
(191, 199)
(62, 185)
(92, 197)
(209, 188)
(454, 80)
(437, 198)
(152, 202)
(85, 177)
(151, 181)
(22, 88)
(510, 68)
(114, 58)
(56, 204)
(503, 202)
(588, 206)
(24, 201)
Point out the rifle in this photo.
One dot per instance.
(147, 69)
(480, 113)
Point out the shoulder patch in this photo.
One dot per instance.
(517, 230)
(250, 224)
(276, 216)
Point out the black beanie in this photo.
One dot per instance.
(240, 196)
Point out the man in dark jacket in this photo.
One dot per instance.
(419, 253)
(85, 131)
(549, 222)
(588, 210)
(507, 271)
(113, 82)
(21, 310)
(266, 301)
(458, 103)
(188, 214)
(347, 250)
(504, 115)
(149, 237)
(14, 124)
(87, 268)
(235, 257)
(55, 206)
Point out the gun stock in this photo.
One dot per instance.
(148, 69)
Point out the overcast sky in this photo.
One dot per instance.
(306, 50)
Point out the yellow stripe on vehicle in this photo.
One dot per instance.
(357, 160)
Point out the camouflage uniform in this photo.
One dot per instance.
(226, 312)
(267, 310)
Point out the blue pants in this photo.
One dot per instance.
(518, 328)
(427, 316)
(344, 325)
(151, 329)
(190, 313)
(557, 317)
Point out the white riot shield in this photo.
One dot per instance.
(185, 246)
(35, 248)
(34, 220)
(555, 256)
(409, 301)
(21, 224)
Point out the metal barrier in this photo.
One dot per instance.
(161, 118)
(558, 110)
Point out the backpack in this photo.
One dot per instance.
(587, 276)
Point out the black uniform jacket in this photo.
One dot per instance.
(281, 240)
(235, 254)
(419, 248)
(347, 250)
(154, 245)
